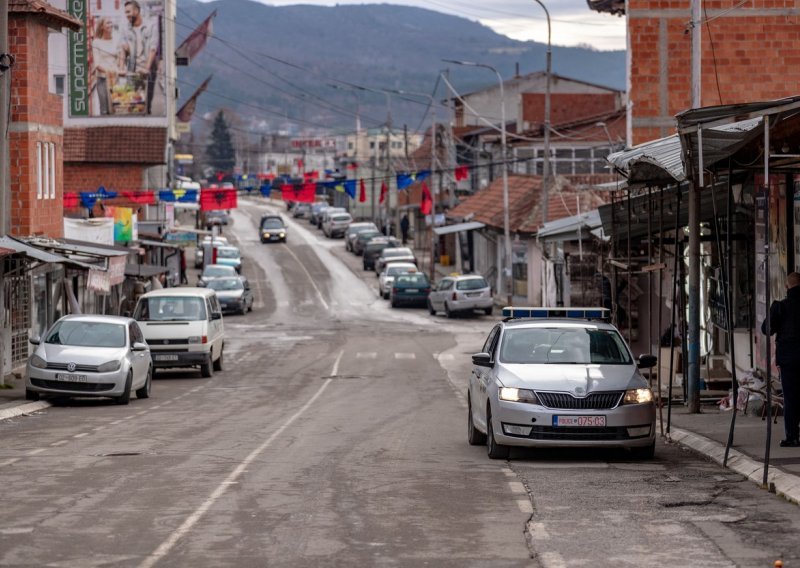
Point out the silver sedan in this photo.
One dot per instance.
(90, 355)
(573, 383)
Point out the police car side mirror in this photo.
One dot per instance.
(482, 360)
(139, 346)
(216, 316)
(646, 361)
(35, 340)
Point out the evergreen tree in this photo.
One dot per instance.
(220, 153)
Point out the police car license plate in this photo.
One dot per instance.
(579, 421)
(70, 378)
(166, 357)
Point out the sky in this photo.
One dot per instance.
(572, 22)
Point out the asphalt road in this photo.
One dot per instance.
(336, 436)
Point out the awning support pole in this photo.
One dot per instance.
(767, 299)
(693, 385)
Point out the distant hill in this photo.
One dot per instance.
(376, 45)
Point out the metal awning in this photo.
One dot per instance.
(469, 226)
(573, 228)
(150, 243)
(34, 253)
(82, 248)
(144, 270)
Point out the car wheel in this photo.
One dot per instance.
(31, 395)
(645, 452)
(386, 295)
(125, 397)
(144, 392)
(394, 304)
(488, 311)
(431, 309)
(206, 368)
(447, 311)
(496, 451)
(218, 362)
(474, 436)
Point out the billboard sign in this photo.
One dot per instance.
(116, 63)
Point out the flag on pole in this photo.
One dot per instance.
(362, 195)
(350, 188)
(426, 204)
(187, 110)
(384, 191)
(217, 199)
(196, 41)
(405, 180)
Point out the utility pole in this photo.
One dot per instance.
(693, 344)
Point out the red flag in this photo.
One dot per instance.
(308, 193)
(196, 41)
(71, 200)
(426, 204)
(141, 197)
(362, 196)
(462, 172)
(310, 176)
(187, 110)
(384, 191)
(217, 199)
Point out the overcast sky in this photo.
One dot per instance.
(572, 22)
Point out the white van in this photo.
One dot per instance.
(183, 327)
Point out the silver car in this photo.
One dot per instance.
(559, 382)
(461, 294)
(90, 355)
(394, 254)
(233, 294)
(212, 271)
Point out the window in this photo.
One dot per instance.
(39, 171)
(52, 170)
(58, 82)
(372, 145)
(46, 170)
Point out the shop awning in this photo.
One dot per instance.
(458, 227)
(573, 228)
(144, 270)
(161, 244)
(34, 253)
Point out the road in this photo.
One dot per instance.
(336, 436)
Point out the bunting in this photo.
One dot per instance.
(179, 195)
(187, 110)
(146, 197)
(71, 200)
(426, 203)
(211, 199)
(461, 172)
(405, 180)
(350, 188)
(266, 189)
(384, 191)
(305, 193)
(196, 41)
(362, 196)
(88, 198)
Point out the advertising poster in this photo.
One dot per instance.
(116, 61)
(123, 223)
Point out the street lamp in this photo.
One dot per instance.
(546, 163)
(506, 229)
(433, 174)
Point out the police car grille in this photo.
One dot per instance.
(73, 387)
(593, 401)
(78, 367)
(578, 434)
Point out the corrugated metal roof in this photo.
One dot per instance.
(571, 228)
(447, 229)
(16, 246)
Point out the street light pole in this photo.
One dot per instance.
(506, 228)
(546, 163)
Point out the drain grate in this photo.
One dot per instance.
(119, 454)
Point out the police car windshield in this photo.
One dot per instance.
(559, 345)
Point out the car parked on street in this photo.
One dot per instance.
(317, 209)
(463, 293)
(410, 289)
(216, 241)
(233, 293)
(325, 215)
(272, 228)
(230, 256)
(90, 355)
(354, 229)
(394, 254)
(301, 210)
(212, 271)
(216, 217)
(335, 225)
(387, 276)
(373, 250)
(542, 380)
(361, 240)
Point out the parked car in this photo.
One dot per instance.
(388, 274)
(323, 218)
(301, 210)
(317, 209)
(335, 225)
(216, 217)
(272, 228)
(394, 254)
(542, 382)
(183, 327)
(361, 240)
(230, 256)
(354, 229)
(90, 355)
(211, 271)
(373, 250)
(461, 294)
(198, 253)
(410, 289)
(233, 293)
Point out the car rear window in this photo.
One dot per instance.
(471, 284)
(342, 218)
(395, 270)
(411, 280)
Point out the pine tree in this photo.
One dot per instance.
(220, 153)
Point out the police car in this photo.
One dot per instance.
(563, 377)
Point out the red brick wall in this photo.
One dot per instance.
(87, 176)
(35, 118)
(567, 107)
(755, 53)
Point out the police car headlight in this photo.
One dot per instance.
(108, 367)
(281, 235)
(266, 235)
(638, 396)
(518, 395)
(38, 362)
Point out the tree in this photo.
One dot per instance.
(220, 152)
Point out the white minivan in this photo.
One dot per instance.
(183, 328)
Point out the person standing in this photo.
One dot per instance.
(138, 49)
(404, 226)
(104, 53)
(784, 317)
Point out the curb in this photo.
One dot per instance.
(784, 484)
(21, 409)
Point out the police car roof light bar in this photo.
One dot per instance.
(514, 312)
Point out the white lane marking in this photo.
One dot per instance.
(552, 559)
(524, 506)
(156, 407)
(99, 428)
(17, 530)
(36, 451)
(366, 355)
(81, 435)
(59, 443)
(509, 473)
(192, 519)
(310, 279)
(405, 356)
(445, 356)
(538, 531)
(9, 462)
(517, 487)
(115, 422)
